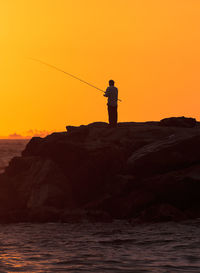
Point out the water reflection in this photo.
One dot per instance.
(113, 247)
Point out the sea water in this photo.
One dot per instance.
(96, 247)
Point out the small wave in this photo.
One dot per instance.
(118, 241)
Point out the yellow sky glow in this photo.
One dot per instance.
(150, 49)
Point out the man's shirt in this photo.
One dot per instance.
(112, 94)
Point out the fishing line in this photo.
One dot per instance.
(75, 77)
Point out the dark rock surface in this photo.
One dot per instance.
(138, 171)
(179, 122)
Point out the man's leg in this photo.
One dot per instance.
(115, 116)
(109, 114)
(112, 115)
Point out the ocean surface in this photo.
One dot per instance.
(10, 148)
(101, 247)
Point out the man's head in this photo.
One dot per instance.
(111, 83)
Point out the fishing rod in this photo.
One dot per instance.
(75, 77)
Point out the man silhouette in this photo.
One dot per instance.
(112, 95)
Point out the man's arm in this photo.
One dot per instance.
(106, 94)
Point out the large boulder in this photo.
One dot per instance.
(38, 182)
(159, 213)
(168, 154)
(179, 122)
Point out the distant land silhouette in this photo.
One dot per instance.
(28, 134)
(139, 171)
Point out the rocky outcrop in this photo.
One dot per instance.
(179, 122)
(137, 171)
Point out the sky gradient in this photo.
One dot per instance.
(150, 48)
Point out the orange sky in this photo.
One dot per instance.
(150, 48)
